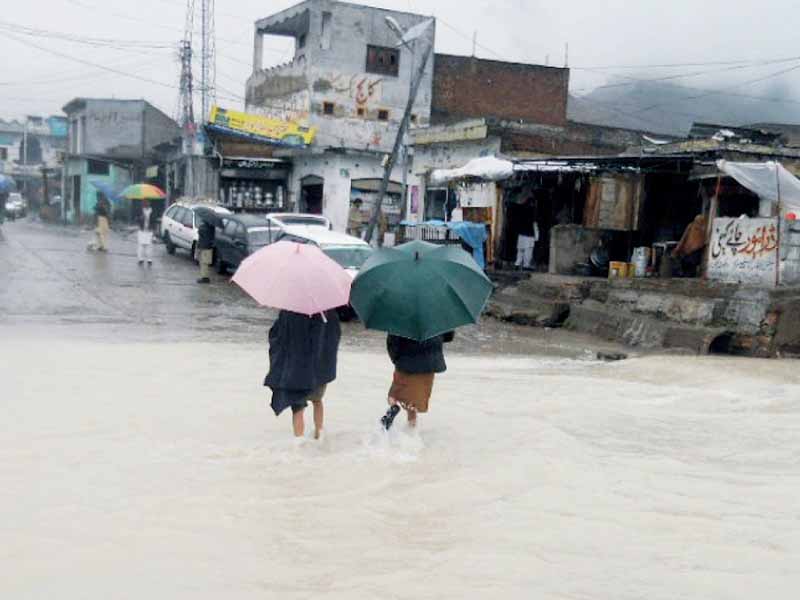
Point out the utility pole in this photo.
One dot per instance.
(207, 58)
(398, 142)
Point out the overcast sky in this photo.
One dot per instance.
(611, 33)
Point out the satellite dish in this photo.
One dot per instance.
(395, 27)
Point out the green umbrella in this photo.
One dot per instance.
(420, 290)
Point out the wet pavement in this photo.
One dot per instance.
(52, 283)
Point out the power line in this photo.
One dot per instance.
(725, 90)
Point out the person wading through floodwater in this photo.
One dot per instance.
(416, 365)
(303, 354)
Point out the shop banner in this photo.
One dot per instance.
(258, 128)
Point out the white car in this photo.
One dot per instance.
(16, 206)
(350, 252)
(283, 220)
(179, 226)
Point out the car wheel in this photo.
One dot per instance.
(168, 243)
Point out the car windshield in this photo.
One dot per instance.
(259, 236)
(348, 257)
(307, 221)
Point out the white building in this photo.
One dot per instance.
(350, 80)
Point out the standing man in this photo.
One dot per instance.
(144, 237)
(528, 235)
(355, 220)
(102, 211)
(205, 246)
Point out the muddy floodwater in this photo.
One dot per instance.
(156, 470)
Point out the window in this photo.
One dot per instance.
(325, 38)
(241, 233)
(328, 108)
(98, 167)
(383, 61)
(301, 41)
(3, 153)
(383, 115)
(413, 119)
(171, 211)
(230, 228)
(188, 219)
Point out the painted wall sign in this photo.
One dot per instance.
(744, 251)
(274, 131)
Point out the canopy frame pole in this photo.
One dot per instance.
(780, 224)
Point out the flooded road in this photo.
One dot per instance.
(139, 459)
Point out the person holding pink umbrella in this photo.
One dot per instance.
(306, 286)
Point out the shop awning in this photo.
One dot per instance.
(768, 180)
(488, 168)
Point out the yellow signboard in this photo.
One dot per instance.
(275, 131)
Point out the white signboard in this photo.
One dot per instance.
(744, 251)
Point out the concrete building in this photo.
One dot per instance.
(32, 150)
(350, 81)
(110, 145)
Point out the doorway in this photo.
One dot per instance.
(311, 195)
(76, 198)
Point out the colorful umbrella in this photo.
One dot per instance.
(420, 290)
(143, 191)
(6, 183)
(294, 277)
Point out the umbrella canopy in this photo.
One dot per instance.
(420, 290)
(209, 215)
(6, 183)
(109, 190)
(296, 277)
(143, 191)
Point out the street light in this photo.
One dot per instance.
(405, 38)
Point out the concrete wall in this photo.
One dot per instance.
(570, 245)
(337, 171)
(331, 68)
(118, 178)
(158, 128)
(744, 251)
(468, 87)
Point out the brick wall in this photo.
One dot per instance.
(466, 87)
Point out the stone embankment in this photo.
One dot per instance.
(675, 314)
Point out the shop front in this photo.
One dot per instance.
(254, 184)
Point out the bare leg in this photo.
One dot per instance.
(298, 423)
(412, 418)
(319, 417)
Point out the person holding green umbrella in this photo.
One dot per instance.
(418, 293)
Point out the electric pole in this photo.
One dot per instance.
(207, 58)
(398, 142)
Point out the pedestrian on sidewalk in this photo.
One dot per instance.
(416, 365)
(303, 353)
(205, 249)
(144, 237)
(102, 211)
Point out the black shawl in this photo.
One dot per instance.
(302, 355)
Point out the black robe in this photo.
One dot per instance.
(417, 358)
(302, 355)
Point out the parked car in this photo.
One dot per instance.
(350, 252)
(179, 226)
(284, 220)
(16, 206)
(242, 235)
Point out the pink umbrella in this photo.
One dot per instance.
(294, 277)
